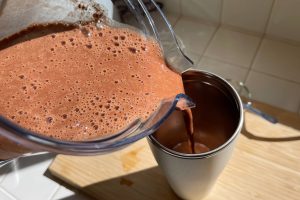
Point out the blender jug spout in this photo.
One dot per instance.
(184, 102)
(166, 108)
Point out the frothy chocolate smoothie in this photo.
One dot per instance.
(79, 83)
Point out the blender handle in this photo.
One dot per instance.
(182, 61)
(165, 36)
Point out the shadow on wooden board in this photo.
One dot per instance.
(139, 185)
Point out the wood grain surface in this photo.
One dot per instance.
(265, 165)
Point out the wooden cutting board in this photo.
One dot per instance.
(264, 165)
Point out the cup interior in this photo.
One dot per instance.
(217, 117)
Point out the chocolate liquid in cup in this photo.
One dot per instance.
(214, 118)
(78, 83)
(190, 146)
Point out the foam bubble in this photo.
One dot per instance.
(132, 50)
(49, 120)
(89, 46)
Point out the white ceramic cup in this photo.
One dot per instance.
(192, 176)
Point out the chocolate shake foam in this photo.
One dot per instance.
(79, 83)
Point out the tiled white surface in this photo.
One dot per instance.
(5, 195)
(233, 47)
(25, 179)
(274, 91)
(172, 6)
(223, 69)
(194, 35)
(66, 194)
(209, 10)
(279, 18)
(279, 59)
(285, 19)
(250, 15)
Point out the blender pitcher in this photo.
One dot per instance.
(15, 15)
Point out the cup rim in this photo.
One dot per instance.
(221, 147)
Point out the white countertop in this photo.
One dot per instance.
(25, 179)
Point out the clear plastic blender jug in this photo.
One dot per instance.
(16, 15)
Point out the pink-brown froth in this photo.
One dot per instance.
(85, 82)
